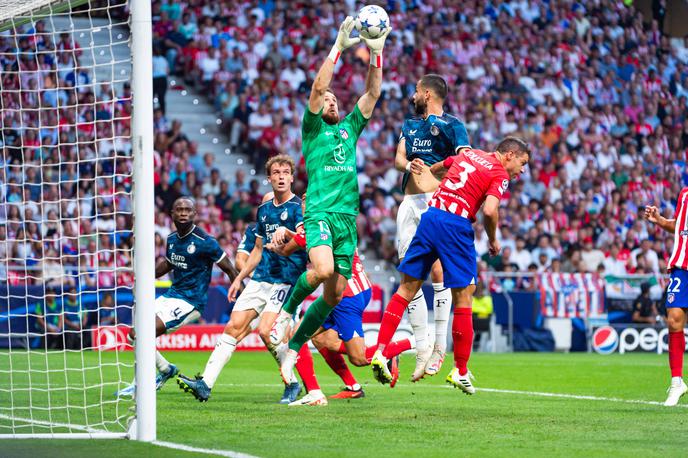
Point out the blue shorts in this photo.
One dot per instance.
(677, 289)
(347, 317)
(449, 238)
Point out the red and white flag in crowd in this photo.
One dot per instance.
(571, 295)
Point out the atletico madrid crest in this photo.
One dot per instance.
(344, 134)
(670, 298)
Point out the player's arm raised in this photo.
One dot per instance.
(251, 263)
(324, 77)
(162, 267)
(491, 220)
(372, 93)
(652, 215)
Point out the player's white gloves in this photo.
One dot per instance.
(344, 39)
(375, 45)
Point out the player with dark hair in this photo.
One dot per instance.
(677, 291)
(190, 255)
(445, 232)
(264, 296)
(429, 138)
(329, 148)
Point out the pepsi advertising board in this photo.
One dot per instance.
(606, 340)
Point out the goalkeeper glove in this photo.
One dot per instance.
(344, 39)
(375, 45)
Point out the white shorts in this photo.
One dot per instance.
(263, 297)
(408, 218)
(175, 313)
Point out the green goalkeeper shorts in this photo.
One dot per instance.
(336, 230)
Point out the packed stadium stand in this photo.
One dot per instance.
(595, 87)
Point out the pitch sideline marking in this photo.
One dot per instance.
(207, 451)
(543, 394)
(574, 396)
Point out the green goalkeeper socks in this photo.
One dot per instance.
(312, 320)
(300, 292)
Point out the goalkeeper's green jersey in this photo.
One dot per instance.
(330, 153)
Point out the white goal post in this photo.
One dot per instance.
(76, 218)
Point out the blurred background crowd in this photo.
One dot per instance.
(595, 87)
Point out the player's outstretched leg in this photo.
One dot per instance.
(676, 320)
(390, 322)
(418, 318)
(304, 365)
(462, 332)
(442, 303)
(201, 385)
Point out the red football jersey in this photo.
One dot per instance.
(358, 282)
(679, 257)
(472, 176)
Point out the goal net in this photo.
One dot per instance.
(66, 218)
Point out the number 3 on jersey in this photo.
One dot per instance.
(463, 176)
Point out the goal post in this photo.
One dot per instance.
(76, 219)
(144, 259)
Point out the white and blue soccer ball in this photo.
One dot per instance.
(372, 21)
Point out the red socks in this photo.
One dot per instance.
(396, 348)
(338, 365)
(462, 332)
(391, 319)
(304, 364)
(677, 343)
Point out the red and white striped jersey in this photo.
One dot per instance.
(472, 176)
(358, 282)
(679, 257)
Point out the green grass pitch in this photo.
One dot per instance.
(411, 420)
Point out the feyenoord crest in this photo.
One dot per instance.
(434, 130)
(344, 134)
(191, 249)
(284, 215)
(670, 298)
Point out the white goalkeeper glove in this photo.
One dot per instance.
(375, 45)
(344, 39)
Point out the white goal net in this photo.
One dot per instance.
(66, 217)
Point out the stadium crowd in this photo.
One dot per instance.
(595, 87)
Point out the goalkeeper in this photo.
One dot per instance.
(329, 149)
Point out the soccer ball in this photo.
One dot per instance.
(372, 21)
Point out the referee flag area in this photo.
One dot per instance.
(530, 404)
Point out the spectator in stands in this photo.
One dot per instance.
(161, 71)
(644, 308)
(49, 320)
(482, 311)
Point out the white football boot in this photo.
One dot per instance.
(380, 370)
(313, 398)
(435, 362)
(675, 392)
(462, 382)
(422, 358)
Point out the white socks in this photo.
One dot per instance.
(442, 303)
(223, 352)
(676, 381)
(161, 363)
(418, 317)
